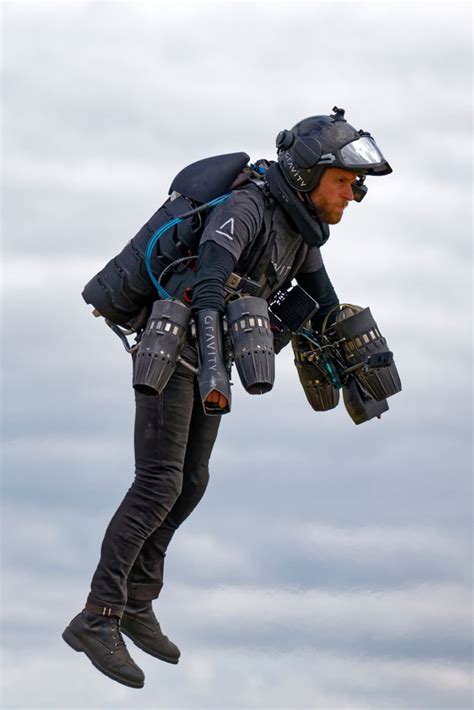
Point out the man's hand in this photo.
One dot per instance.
(216, 397)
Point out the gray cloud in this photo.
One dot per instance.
(328, 565)
(357, 644)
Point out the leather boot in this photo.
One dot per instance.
(140, 624)
(100, 639)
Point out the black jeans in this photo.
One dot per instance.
(173, 444)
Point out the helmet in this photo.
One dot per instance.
(319, 142)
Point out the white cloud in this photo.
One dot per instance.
(391, 614)
(386, 546)
(199, 550)
(317, 650)
(239, 680)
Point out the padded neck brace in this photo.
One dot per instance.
(314, 232)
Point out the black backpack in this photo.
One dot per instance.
(127, 284)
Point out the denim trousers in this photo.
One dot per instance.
(173, 444)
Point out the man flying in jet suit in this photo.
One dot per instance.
(282, 220)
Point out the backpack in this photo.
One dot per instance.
(128, 283)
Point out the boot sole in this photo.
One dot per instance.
(167, 659)
(77, 645)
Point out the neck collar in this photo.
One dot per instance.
(314, 232)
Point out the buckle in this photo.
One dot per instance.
(234, 281)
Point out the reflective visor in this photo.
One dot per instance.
(362, 153)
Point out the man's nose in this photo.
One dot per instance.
(347, 193)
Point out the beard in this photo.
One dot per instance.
(328, 212)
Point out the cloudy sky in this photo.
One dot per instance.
(328, 566)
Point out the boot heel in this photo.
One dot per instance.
(72, 640)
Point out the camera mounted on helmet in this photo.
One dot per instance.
(359, 190)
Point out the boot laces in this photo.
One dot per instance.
(116, 634)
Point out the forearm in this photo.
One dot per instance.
(215, 264)
(319, 286)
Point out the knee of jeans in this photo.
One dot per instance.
(178, 487)
(196, 479)
(167, 487)
(173, 489)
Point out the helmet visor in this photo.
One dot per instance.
(363, 154)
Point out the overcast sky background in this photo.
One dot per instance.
(328, 566)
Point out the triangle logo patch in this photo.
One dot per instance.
(230, 224)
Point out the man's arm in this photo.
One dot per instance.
(230, 228)
(319, 286)
(214, 266)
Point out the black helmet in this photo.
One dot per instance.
(319, 142)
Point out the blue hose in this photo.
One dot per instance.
(159, 233)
